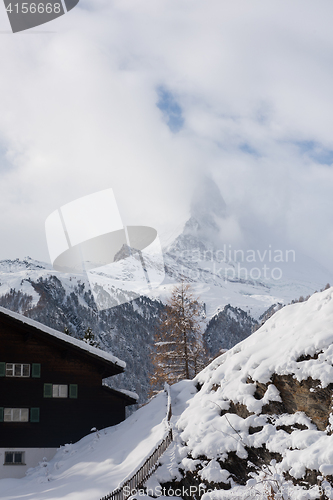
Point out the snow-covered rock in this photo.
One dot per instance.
(268, 398)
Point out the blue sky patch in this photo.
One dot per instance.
(171, 110)
(316, 152)
(246, 148)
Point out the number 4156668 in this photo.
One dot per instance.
(33, 8)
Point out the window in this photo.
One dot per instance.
(14, 458)
(60, 391)
(55, 391)
(19, 414)
(17, 370)
(16, 415)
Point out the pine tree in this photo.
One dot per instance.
(178, 352)
(89, 338)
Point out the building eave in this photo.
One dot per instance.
(111, 365)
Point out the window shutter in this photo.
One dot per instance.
(35, 372)
(34, 415)
(1, 414)
(73, 391)
(2, 369)
(47, 390)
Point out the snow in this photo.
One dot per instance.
(19, 274)
(103, 460)
(254, 296)
(301, 276)
(97, 464)
(326, 469)
(299, 329)
(66, 338)
(302, 328)
(131, 394)
(213, 473)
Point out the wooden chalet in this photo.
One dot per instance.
(51, 392)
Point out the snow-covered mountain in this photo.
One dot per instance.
(226, 328)
(235, 293)
(62, 301)
(205, 254)
(224, 269)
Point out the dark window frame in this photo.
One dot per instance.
(15, 455)
(14, 367)
(12, 409)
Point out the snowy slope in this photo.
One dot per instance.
(252, 286)
(296, 341)
(20, 274)
(98, 463)
(300, 278)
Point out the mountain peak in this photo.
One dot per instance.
(207, 200)
(202, 229)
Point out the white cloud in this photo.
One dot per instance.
(79, 114)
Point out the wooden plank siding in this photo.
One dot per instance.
(61, 420)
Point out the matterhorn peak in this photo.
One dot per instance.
(208, 209)
(207, 200)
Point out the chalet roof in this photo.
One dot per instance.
(129, 397)
(78, 345)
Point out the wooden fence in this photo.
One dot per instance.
(143, 473)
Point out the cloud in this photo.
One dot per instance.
(146, 96)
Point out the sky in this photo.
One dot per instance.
(150, 96)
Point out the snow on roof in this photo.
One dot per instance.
(130, 394)
(66, 338)
(125, 392)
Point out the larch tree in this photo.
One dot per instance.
(178, 352)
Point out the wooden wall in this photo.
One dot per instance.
(62, 420)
